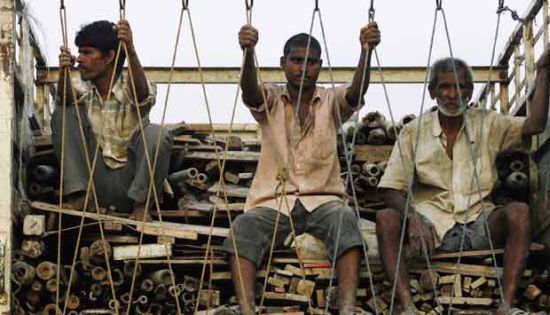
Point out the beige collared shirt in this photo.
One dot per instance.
(445, 190)
(313, 169)
(114, 121)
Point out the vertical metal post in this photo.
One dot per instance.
(7, 130)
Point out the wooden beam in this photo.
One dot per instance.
(7, 138)
(185, 231)
(230, 75)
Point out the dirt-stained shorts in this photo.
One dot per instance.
(254, 229)
(475, 238)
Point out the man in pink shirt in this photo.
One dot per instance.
(304, 153)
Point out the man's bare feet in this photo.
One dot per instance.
(139, 212)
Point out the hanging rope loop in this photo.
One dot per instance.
(438, 4)
(185, 4)
(249, 4)
(62, 5)
(316, 5)
(371, 11)
(513, 13)
(500, 5)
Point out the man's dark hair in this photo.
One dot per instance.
(300, 40)
(445, 65)
(103, 36)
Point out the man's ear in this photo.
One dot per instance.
(320, 62)
(282, 61)
(111, 55)
(431, 89)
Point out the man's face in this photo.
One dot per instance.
(448, 96)
(92, 64)
(293, 65)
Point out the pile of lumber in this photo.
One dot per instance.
(192, 195)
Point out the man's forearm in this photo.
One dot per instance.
(64, 87)
(356, 91)
(249, 82)
(138, 75)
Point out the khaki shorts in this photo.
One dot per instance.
(254, 229)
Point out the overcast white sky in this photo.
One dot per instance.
(405, 27)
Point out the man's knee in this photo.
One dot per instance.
(517, 216)
(152, 133)
(388, 220)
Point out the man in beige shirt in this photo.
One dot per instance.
(303, 154)
(451, 200)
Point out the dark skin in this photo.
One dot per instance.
(509, 226)
(347, 265)
(98, 67)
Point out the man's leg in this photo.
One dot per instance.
(325, 222)
(510, 226)
(140, 185)
(253, 231)
(388, 230)
(75, 179)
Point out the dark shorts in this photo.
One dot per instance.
(475, 239)
(254, 229)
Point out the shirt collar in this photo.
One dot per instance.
(316, 94)
(117, 92)
(437, 130)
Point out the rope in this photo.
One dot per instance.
(62, 16)
(63, 20)
(348, 162)
(475, 171)
(411, 181)
(221, 165)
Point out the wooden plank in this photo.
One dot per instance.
(146, 251)
(286, 297)
(372, 153)
(466, 301)
(177, 230)
(534, 247)
(241, 156)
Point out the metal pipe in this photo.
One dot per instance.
(373, 181)
(98, 250)
(190, 284)
(73, 302)
(371, 169)
(147, 285)
(160, 292)
(23, 273)
(45, 270)
(99, 273)
(374, 120)
(32, 248)
(114, 304)
(118, 277)
(37, 286)
(202, 178)
(162, 276)
(96, 290)
(51, 285)
(517, 165)
(377, 136)
(190, 173)
(45, 173)
(517, 180)
(129, 267)
(51, 309)
(392, 131)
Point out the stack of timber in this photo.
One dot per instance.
(191, 198)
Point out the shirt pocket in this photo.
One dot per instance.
(323, 143)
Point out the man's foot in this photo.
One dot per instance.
(139, 213)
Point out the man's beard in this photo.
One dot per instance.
(443, 110)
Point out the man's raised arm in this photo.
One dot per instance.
(252, 95)
(138, 74)
(66, 61)
(536, 122)
(369, 36)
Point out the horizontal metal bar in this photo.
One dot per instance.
(227, 75)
